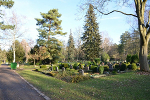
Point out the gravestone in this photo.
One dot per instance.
(57, 69)
(63, 68)
(89, 66)
(81, 72)
(51, 68)
(110, 67)
(77, 67)
(71, 67)
(86, 68)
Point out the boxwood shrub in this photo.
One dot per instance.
(134, 66)
(101, 69)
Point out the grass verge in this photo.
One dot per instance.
(127, 86)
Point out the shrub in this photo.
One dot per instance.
(135, 59)
(61, 65)
(54, 68)
(134, 66)
(66, 65)
(89, 63)
(75, 65)
(123, 67)
(93, 68)
(101, 69)
(80, 66)
(43, 66)
(97, 60)
(117, 66)
(129, 58)
(67, 69)
(106, 68)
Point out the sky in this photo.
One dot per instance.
(114, 24)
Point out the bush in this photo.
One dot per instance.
(75, 65)
(93, 68)
(97, 60)
(43, 66)
(114, 72)
(80, 66)
(117, 66)
(134, 66)
(123, 67)
(66, 65)
(67, 69)
(101, 69)
(54, 68)
(129, 58)
(106, 68)
(135, 59)
(61, 65)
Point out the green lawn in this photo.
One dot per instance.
(127, 86)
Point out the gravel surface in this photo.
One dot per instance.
(12, 87)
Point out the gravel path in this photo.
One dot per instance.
(12, 87)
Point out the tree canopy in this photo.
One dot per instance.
(91, 37)
(49, 26)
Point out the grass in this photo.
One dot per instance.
(116, 87)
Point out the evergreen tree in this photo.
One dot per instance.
(20, 53)
(71, 48)
(6, 4)
(49, 26)
(91, 37)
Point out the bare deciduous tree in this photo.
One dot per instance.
(10, 35)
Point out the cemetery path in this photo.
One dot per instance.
(13, 87)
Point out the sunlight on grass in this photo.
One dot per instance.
(123, 86)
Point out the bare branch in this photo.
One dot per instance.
(114, 11)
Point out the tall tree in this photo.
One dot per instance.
(91, 37)
(49, 26)
(71, 48)
(141, 7)
(10, 35)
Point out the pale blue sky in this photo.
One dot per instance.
(114, 24)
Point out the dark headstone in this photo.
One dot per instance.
(81, 72)
(63, 68)
(71, 67)
(86, 68)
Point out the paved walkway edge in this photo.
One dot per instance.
(45, 97)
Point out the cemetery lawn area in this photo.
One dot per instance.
(126, 86)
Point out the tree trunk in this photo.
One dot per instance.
(143, 57)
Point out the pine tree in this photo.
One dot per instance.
(71, 48)
(49, 26)
(91, 37)
(6, 4)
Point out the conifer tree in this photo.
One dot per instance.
(71, 48)
(91, 37)
(49, 26)
(6, 4)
